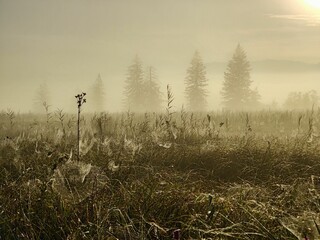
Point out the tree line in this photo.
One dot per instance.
(142, 90)
(142, 93)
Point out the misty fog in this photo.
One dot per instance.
(159, 119)
(66, 45)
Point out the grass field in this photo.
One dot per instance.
(176, 175)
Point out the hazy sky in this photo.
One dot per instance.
(67, 43)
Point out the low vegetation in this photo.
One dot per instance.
(177, 175)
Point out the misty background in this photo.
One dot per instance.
(67, 44)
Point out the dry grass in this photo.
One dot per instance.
(213, 176)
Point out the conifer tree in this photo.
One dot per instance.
(152, 93)
(196, 83)
(236, 91)
(42, 98)
(97, 95)
(134, 87)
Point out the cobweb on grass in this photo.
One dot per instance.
(74, 181)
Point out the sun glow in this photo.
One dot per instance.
(313, 3)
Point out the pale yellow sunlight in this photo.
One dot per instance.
(313, 3)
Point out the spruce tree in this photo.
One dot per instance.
(196, 83)
(152, 93)
(42, 98)
(236, 91)
(98, 95)
(134, 87)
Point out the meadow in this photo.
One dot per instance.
(176, 175)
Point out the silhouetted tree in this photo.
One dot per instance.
(300, 101)
(134, 86)
(42, 98)
(196, 84)
(152, 93)
(236, 91)
(97, 95)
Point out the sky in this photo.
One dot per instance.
(66, 44)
